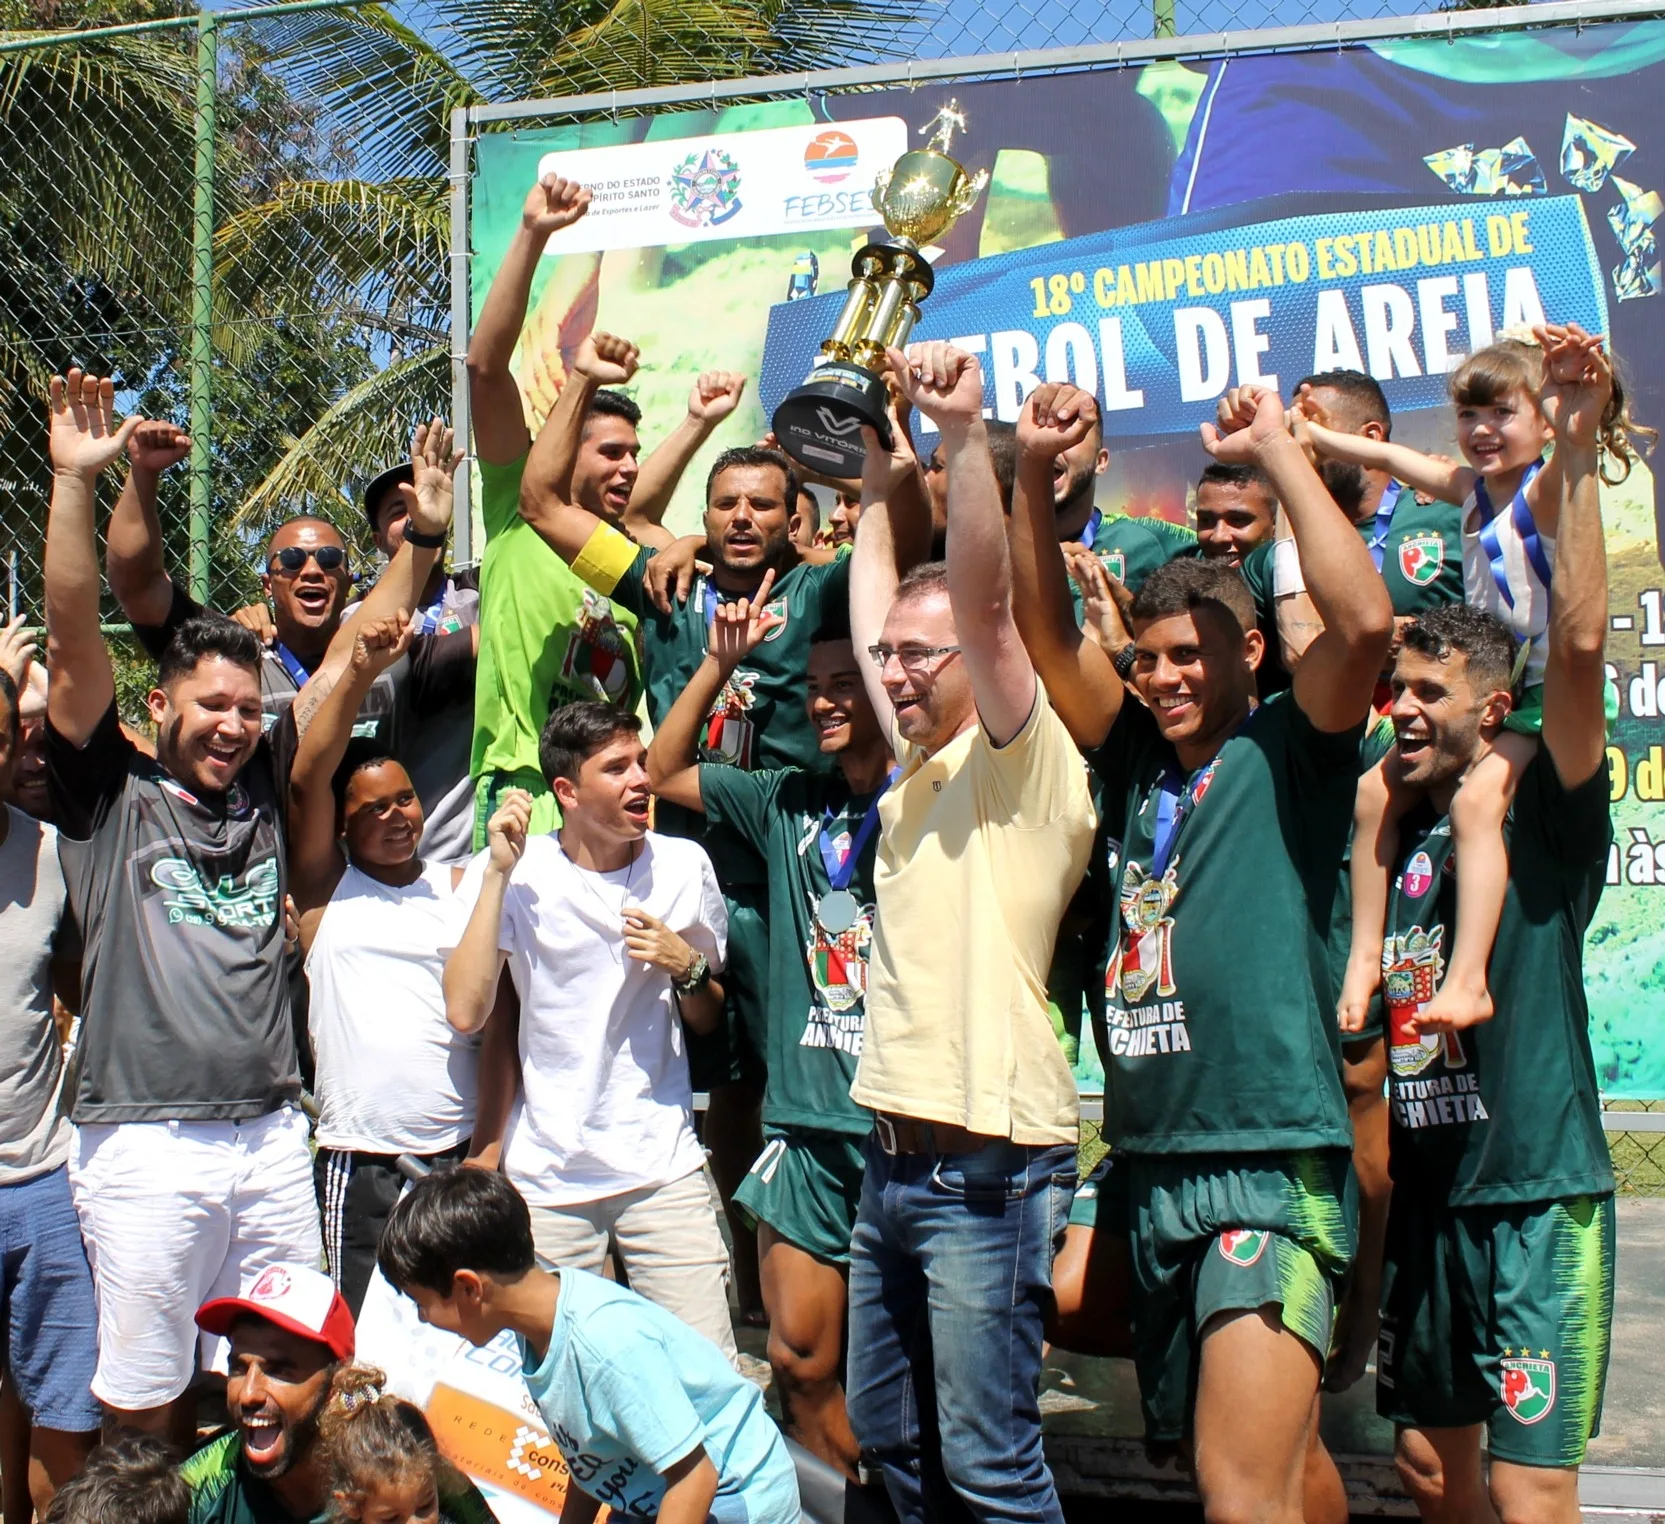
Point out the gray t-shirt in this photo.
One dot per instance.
(34, 929)
(184, 1001)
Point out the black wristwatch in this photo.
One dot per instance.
(696, 979)
(1123, 660)
(415, 536)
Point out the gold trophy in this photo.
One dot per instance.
(919, 198)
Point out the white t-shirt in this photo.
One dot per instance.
(393, 1076)
(605, 1104)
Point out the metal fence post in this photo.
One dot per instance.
(1162, 16)
(202, 309)
(463, 548)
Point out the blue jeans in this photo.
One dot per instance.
(950, 1278)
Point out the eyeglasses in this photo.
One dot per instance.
(292, 558)
(916, 661)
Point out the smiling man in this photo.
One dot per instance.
(289, 1333)
(612, 935)
(1236, 511)
(1224, 1099)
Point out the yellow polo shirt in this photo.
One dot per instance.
(980, 849)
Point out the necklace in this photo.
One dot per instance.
(584, 877)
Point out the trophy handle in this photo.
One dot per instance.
(968, 192)
(881, 184)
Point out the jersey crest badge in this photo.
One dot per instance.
(1243, 1246)
(728, 732)
(1527, 1385)
(1412, 965)
(596, 659)
(774, 620)
(1144, 963)
(1115, 562)
(1420, 558)
(1419, 876)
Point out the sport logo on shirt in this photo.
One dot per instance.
(728, 732)
(230, 905)
(1420, 558)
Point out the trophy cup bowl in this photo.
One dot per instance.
(919, 197)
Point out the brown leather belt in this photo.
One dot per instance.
(908, 1135)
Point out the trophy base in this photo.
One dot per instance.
(819, 424)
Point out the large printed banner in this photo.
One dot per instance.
(1158, 233)
(1159, 320)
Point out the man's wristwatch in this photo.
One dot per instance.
(415, 536)
(1122, 661)
(696, 979)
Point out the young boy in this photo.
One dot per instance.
(649, 1417)
(133, 1479)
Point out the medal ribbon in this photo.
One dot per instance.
(1175, 800)
(291, 664)
(1089, 530)
(1384, 522)
(1525, 526)
(840, 870)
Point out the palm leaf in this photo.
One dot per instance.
(367, 428)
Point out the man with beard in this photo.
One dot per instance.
(1497, 1297)
(189, 1160)
(1417, 547)
(1224, 1100)
(289, 1333)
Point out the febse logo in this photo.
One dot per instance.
(831, 157)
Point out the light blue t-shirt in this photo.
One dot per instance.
(628, 1390)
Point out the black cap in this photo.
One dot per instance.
(378, 486)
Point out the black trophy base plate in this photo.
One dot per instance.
(819, 424)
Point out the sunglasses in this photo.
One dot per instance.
(292, 558)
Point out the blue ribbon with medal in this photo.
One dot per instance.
(838, 908)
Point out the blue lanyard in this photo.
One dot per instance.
(840, 870)
(1384, 522)
(1175, 799)
(1089, 530)
(709, 594)
(1525, 526)
(291, 664)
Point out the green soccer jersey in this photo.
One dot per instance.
(546, 639)
(1132, 548)
(817, 975)
(1221, 1019)
(1506, 1111)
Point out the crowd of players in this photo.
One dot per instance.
(930, 786)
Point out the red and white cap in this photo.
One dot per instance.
(294, 1297)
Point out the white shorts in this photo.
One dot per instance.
(173, 1214)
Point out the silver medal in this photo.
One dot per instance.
(837, 912)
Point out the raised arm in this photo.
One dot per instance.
(500, 433)
(892, 534)
(315, 858)
(429, 497)
(1081, 682)
(673, 758)
(1580, 381)
(546, 485)
(1338, 672)
(473, 969)
(716, 394)
(1447, 480)
(83, 440)
(946, 385)
(133, 559)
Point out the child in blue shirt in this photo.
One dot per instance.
(649, 1416)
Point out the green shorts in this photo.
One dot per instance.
(489, 789)
(807, 1186)
(1213, 1233)
(1500, 1315)
(733, 1054)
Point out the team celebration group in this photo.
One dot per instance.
(930, 785)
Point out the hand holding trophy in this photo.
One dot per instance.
(919, 197)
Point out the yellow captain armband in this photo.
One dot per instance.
(607, 555)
